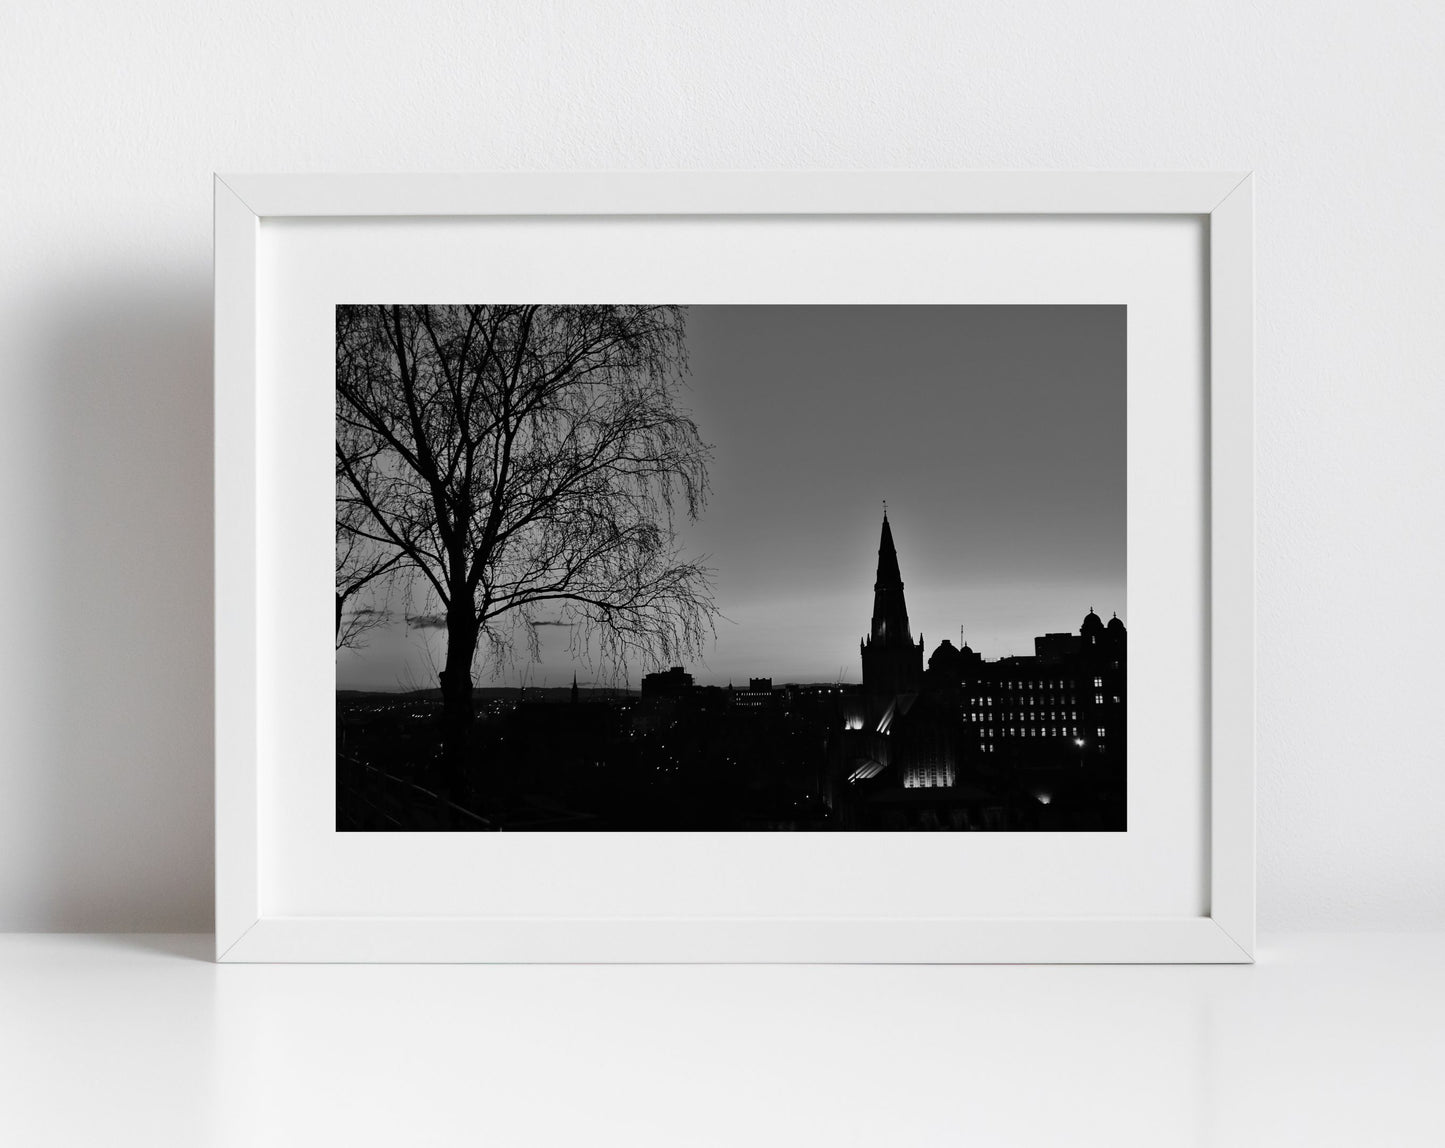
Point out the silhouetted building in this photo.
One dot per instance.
(1018, 743)
(892, 661)
(1052, 648)
(663, 695)
(758, 697)
(672, 683)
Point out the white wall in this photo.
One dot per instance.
(112, 117)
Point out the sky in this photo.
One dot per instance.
(995, 434)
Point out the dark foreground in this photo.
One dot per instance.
(622, 764)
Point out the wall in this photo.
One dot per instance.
(113, 117)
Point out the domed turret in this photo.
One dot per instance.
(1115, 626)
(945, 659)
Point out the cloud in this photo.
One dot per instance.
(426, 621)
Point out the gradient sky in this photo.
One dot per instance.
(996, 434)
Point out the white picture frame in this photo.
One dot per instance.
(245, 931)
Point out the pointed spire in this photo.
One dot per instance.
(888, 574)
(890, 612)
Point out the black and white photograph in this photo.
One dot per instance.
(807, 568)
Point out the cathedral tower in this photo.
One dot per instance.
(892, 661)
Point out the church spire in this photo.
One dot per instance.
(890, 612)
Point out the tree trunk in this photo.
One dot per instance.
(457, 707)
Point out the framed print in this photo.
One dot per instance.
(734, 567)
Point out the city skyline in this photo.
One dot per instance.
(995, 435)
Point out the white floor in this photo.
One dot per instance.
(1329, 1039)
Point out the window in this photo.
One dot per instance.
(1098, 699)
(1117, 699)
(1098, 682)
(1099, 733)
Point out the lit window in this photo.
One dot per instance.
(1098, 699)
(1117, 699)
(1099, 733)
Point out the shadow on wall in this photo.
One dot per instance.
(122, 813)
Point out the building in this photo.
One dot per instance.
(1054, 648)
(663, 696)
(673, 683)
(759, 697)
(1017, 743)
(892, 661)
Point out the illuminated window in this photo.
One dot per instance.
(1098, 682)
(1099, 733)
(1117, 699)
(1098, 699)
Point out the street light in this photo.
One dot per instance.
(1078, 741)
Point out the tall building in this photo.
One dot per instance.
(892, 661)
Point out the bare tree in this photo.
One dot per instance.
(527, 462)
(360, 564)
